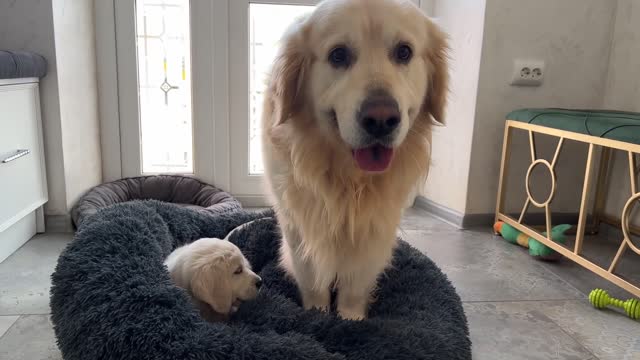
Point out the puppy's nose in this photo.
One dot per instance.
(259, 283)
(379, 114)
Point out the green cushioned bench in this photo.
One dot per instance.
(604, 132)
(615, 125)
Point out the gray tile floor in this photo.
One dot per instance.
(518, 308)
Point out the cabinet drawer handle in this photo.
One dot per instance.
(18, 154)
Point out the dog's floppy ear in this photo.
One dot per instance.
(288, 73)
(436, 57)
(213, 286)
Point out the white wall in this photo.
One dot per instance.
(573, 37)
(63, 32)
(463, 20)
(76, 58)
(623, 91)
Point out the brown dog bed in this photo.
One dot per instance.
(177, 189)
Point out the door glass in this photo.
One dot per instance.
(267, 23)
(164, 78)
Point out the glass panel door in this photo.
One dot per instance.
(258, 26)
(164, 85)
(191, 78)
(163, 90)
(267, 23)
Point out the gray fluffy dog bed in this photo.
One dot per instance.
(112, 298)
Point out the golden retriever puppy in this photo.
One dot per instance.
(216, 275)
(347, 114)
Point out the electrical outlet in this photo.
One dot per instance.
(527, 72)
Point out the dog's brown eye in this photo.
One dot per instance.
(238, 271)
(403, 53)
(340, 57)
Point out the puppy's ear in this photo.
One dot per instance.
(436, 57)
(289, 72)
(213, 286)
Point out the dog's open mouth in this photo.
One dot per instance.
(376, 158)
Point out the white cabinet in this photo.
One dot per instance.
(23, 187)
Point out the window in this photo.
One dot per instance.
(164, 85)
(267, 23)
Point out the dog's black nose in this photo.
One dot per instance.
(259, 283)
(379, 114)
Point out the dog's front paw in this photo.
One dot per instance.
(323, 308)
(351, 305)
(352, 314)
(316, 300)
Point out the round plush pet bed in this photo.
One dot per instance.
(112, 298)
(182, 190)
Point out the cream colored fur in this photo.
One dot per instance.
(215, 273)
(338, 222)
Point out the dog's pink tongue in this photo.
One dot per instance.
(375, 158)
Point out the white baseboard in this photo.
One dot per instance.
(465, 221)
(441, 212)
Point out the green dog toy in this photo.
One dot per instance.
(601, 299)
(536, 248)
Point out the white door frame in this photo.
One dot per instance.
(211, 19)
(201, 81)
(242, 182)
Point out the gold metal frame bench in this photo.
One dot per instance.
(575, 254)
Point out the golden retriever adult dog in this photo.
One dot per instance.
(346, 133)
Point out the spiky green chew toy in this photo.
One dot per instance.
(601, 299)
(536, 249)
